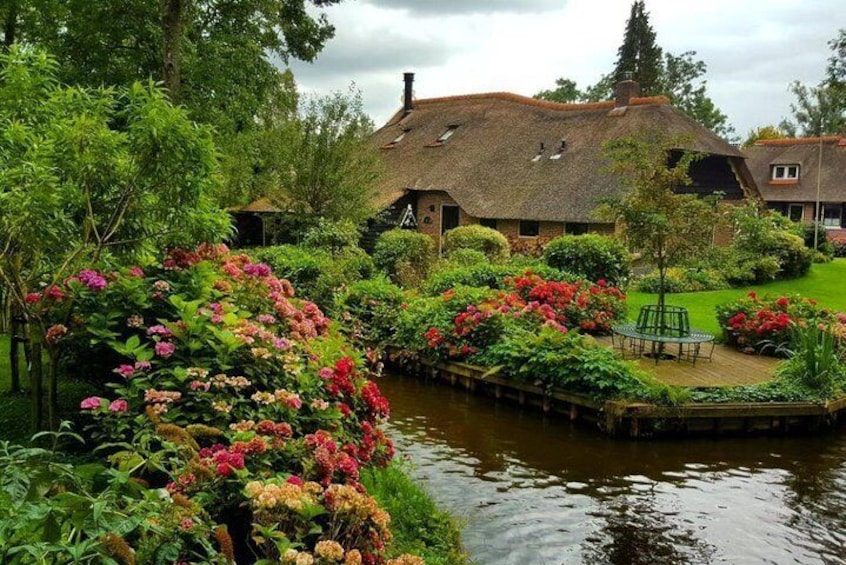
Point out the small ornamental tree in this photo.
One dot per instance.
(663, 226)
(85, 173)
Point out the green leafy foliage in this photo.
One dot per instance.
(488, 275)
(590, 256)
(369, 310)
(554, 360)
(405, 256)
(489, 241)
(684, 279)
(332, 236)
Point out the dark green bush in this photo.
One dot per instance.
(793, 257)
(302, 266)
(369, 309)
(590, 256)
(489, 241)
(824, 246)
(405, 256)
(574, 363)
(332, 236)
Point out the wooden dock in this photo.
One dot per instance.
(643, 420)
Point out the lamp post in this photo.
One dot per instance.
(817, 205)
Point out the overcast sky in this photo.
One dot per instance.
(753, 48)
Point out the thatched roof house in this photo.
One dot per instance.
(789, 171)
(530, 167)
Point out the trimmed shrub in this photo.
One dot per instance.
(489, 241)
(301, 266)
(592, 256)
(793, 257)
(405, 256)
(332, 236)
(369, 309)
(684, 280)
(461, 258)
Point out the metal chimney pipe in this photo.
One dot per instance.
(408, 103)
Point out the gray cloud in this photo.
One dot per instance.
(453, 7)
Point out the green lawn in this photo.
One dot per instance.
(14, 409)
(825, 283)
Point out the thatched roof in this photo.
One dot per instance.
(805, 152)
(487, 164)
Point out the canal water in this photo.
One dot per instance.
(536, 490)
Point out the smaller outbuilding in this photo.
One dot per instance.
(804, 179)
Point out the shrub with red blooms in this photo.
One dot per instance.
(757, 324)
(463, 322)
(220, 375)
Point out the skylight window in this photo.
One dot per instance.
(447, 134)
(394, 142)
(557, 155)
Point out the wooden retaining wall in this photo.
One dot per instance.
(641, 420)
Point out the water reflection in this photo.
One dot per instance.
(537, 490)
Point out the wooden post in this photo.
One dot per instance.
(36, 374)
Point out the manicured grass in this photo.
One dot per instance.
(418, 525)
(14, 408)
(824, 282)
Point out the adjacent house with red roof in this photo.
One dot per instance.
(794, 175)
(529, 168)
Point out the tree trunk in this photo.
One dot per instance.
(36, 375)
(18, 338)
(173, 25)
(10, 26)
(52, 391)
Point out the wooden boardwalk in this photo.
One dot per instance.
(728, 367)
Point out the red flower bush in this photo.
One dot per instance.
(761, 325)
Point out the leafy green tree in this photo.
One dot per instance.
(678, 77)
(88, 172)
(665, 227)
(761, 133)
(219, 58)
(639, 57)
(821, 110)
(329, 167)
(565, 91)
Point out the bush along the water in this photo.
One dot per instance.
(405, 256)
(758, 324)
(368, 310)
(231, 405)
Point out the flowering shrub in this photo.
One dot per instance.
(227, 395)
(464, 321)
(764, 325)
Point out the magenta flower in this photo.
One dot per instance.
(266, 319)
(125, 370)
(159, 330)
(165, 349)
(142, 365)
(257, 269)
(281, 343)
(135, 272)
(92, 279)
(119, 405)
(91, 403)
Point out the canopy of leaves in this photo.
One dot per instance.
(663, 226)
(83, 171)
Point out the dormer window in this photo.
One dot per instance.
(785, 172)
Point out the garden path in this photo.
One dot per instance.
(728, 367)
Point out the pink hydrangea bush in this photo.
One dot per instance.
(230, 394)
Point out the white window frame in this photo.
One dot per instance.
(786, 172)
(801, 211)
(839, 217)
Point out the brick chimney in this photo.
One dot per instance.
(624, 91)
(407, 100)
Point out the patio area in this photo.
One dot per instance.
(728, 367)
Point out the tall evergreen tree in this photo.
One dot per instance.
(639, 57)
